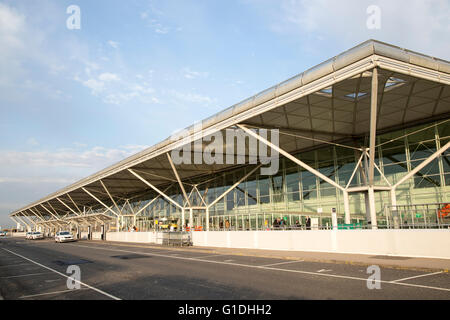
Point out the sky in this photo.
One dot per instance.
(76, 100)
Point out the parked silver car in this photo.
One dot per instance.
(64, 236)
(36, 235)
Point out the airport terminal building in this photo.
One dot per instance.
(365, 134)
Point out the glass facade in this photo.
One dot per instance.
(294, 193)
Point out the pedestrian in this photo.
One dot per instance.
(308, 223)
(275, 224)
(297, 225)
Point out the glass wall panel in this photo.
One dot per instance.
(264, 189)
(277, 188)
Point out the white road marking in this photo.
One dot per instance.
(26, 275)
(419, 276)
(280, 263)
(62, 274)
(54, 292)
(17, 264)
(270, 268)
(213, 255)
(228, 260)
(324, 270)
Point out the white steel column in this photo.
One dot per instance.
(67, 206)
(207, 219)
(33, 224)
(346, 207)
(29, 219)
(26, 224)
(38, 215)
(394, 208)
(372, 208)
(290, 157)
(56, 218)
(191, 218)
(422, 165)
(98, 200)
(150, 202)
(372, 140)
(79, 211)
(56, 212)
(179, 180)
(155, 188)
(303, 165)
(233, 186)
(12, 218)
(112, 199)
(182, 219)
(373, 125)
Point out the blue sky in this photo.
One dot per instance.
(75, 101)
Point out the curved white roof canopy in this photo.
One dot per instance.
(329, 102)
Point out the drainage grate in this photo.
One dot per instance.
(71, 262)
(130, 256)
(390, 258)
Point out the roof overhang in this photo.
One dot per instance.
(329, 103)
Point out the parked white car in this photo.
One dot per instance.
(2, 233)
(36, 236)
(64, 236)
(28, 235)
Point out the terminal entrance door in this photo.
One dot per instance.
(198, 219)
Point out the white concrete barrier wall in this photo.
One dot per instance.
(18, 234)
(96, 235)
(409, 243)
(84, 235)
(140, 237)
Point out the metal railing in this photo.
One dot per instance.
(175, 238)
(418, 216)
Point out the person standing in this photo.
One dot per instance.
(275, 224)
(308, 223)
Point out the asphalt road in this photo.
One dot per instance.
(38, 270)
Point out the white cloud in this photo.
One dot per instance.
(114, 44)
(104, 87)
(108, 77)
(191, 74)
(192, 97)
(414, 24)
(36, 180)
(12, 44)
(95, 86)
(144, 15)
(32, 142)
(12, 25)
(95, 158)
(28, 176)
(119, 98)
(80, 145)
(161, 29)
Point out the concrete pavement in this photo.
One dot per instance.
(412, 263)
(38, 270)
